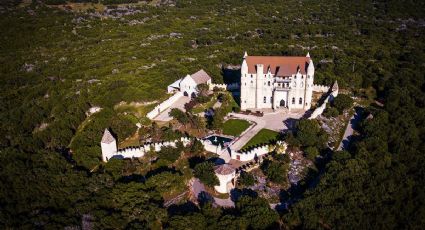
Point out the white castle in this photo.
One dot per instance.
(276, 82)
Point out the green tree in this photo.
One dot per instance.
(246, 179)
(342, 102)
(257, 212)
(205, 172)
(179, 115)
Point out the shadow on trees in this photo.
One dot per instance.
(193, 161)
(132, 178)
(236, 193)
(160, 170)
(182, 209)
(204, 197)
(231, 75)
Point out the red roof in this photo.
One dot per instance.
(279, 65)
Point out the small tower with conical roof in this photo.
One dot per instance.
(109, 145)
(309, 83)
(334, 90)
(244, 81)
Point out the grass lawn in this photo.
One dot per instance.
(262, 137)
(234, 127)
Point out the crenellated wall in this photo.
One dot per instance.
(258, 151)
(319, 110)
(320, 88)
(140, 151)
(164, 105)
(232, 86)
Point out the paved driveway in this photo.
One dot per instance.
(276, 121)
(178, 104)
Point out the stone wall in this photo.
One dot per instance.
(319, 110)
(320, 88)
(232, 86)
(258, 151)
(164, 105)
(139, 151)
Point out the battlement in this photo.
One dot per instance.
(139, 151)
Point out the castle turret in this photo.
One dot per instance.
(308, 54)
(334, 90)
(244, 68)
(259, 86)
(109, 145)
(244, 82)
(310, 68)
(309, 84)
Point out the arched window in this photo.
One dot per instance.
(301, 101)
(264, 99)
(293, 100)
(268, 83)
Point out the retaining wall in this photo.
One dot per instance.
(164, 105)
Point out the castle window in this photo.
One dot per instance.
(245, 83)
(264, 99)
(301, 101)
(293, 100)
(302, 76)
(268, 83)
(251, 82)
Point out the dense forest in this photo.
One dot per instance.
(56, 63)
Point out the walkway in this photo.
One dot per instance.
(197, 188)
(163, 116)
(345, 142)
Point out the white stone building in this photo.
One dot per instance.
(276, 82)
(188, 85)
(109, 145)
(226, 175)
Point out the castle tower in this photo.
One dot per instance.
(244, 82)
(334, 90)
(109, 145)
(259, 86)
(309, 84)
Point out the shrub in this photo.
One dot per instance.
(205, 172)
(169, 153)
(342, 102)
(311, 153)
(247, 179)
(331, 112)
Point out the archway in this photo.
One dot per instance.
(193, 95)
(282, 103)
(185, 94)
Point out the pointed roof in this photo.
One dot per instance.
(279, 65)
(308, 54)
(245, 55)
(200, 77)
(107, 137)
(335, 86)
(224, 169)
